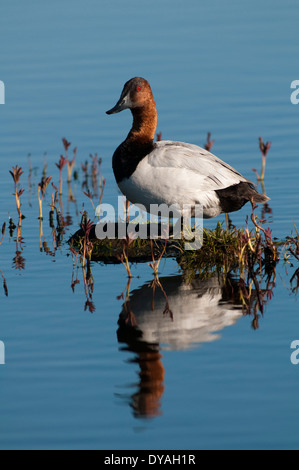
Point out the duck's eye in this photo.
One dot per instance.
(139, 88)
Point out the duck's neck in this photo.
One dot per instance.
(145, 121)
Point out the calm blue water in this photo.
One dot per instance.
(204, 379)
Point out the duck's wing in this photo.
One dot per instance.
(214, 174)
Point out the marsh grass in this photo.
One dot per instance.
(249, 254)
(16, 174)
(221, 248)
(110, 251)
(42, 186)
(264, 148)
(60, 165)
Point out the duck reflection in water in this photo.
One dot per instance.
(199, 312)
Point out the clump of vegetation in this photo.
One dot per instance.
(221, 248)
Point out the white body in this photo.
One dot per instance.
(176, 173)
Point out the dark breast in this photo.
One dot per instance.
(127, 157)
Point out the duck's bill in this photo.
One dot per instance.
(123, 103)
(117, 109)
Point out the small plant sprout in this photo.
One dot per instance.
(45, 166)
(16, 174)
(209, 144)
(264, 148)
(124, 257)
(267, 233)
(155, 264)
(70, 165)
(60, 166)
(42, 186)
(102, 187)
(94, 171)
(89, 195)
(66, 145)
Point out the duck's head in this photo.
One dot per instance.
(137, 93)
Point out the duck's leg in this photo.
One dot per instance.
(227, 221)
(127, 211)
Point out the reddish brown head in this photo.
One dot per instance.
(137, 93)
(138, 97)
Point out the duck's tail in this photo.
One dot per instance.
(257, 197)
(235, 197)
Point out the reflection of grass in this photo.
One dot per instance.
(3, 232)
(4, 280)
(293, 244)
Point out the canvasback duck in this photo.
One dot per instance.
(173, 173)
